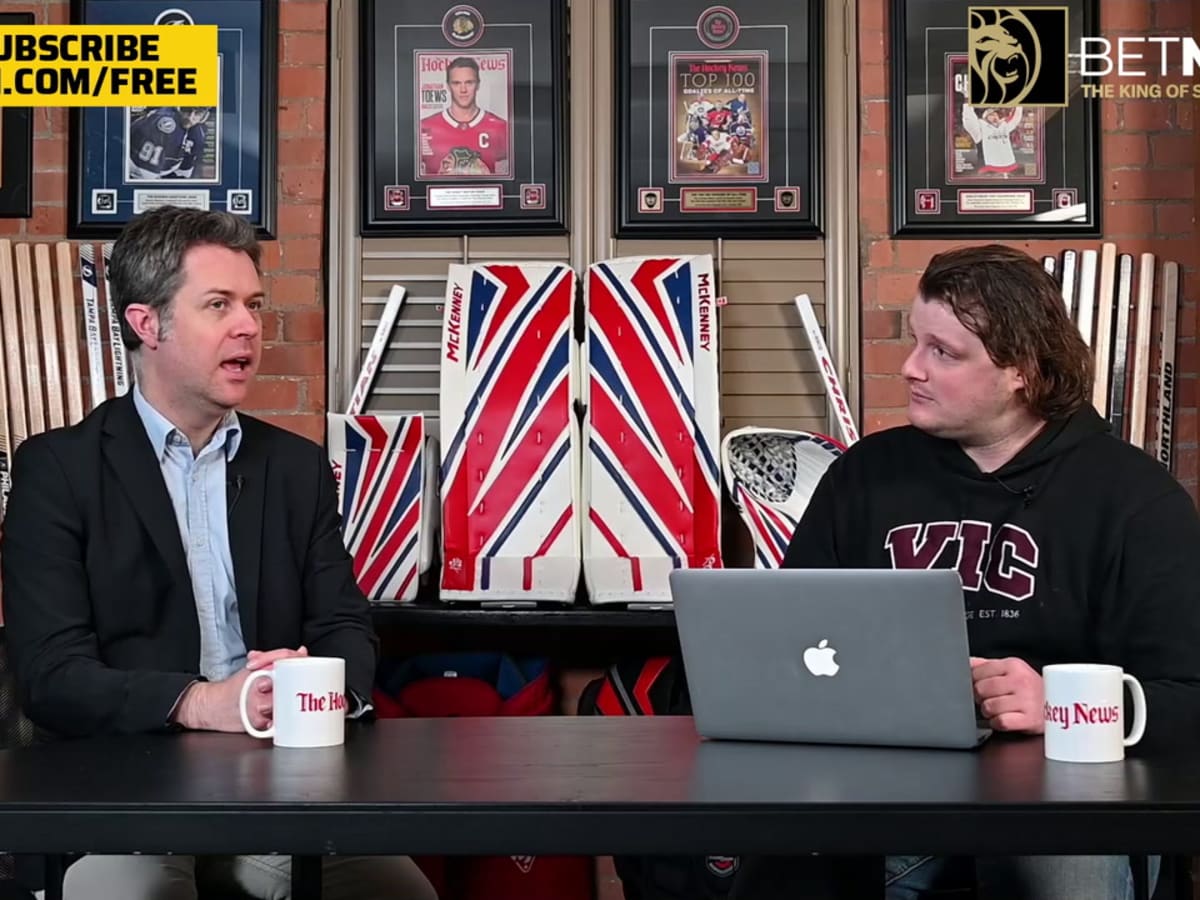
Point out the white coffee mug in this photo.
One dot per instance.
(1085, 712)
(309, 702)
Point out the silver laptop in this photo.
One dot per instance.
(845, 656)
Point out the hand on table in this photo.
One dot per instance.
(213, 706)
(1010, 694)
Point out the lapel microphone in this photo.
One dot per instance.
(236, 484)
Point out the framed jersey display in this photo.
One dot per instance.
(463, 117)
(16, 147)
(718, 118)
(127, 160)
(993, 121)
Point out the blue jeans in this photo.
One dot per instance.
(1020, 877)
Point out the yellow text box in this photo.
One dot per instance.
(108, 65)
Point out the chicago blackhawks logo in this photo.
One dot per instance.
(463, 161)
(462, 25)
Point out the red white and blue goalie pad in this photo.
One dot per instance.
(651, 477)
(771, 474)
(379, 464)
(509, 439)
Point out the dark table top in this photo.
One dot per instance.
(582, 785)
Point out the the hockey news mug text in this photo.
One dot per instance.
(309, 702)
(1085, 712)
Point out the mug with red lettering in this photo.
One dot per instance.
(309, 702)
(1085, 712)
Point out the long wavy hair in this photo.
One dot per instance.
(1004, 296)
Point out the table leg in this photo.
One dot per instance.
(55, 869)
(857, 877)
(1139, 867)
(306, 878)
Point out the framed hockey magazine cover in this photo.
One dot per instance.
(16, 147)
(992, 134)
(463, 117)
(126, 160)
(718, 118)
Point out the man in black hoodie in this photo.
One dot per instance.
(1072, 545)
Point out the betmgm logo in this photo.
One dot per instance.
(1018, 55)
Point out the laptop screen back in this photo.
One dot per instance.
(852, 656)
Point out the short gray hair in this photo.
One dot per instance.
(147, 259)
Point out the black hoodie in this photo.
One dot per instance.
(1081, 548)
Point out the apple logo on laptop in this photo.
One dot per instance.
(819, 659)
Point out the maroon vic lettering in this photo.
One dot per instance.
(1004, 563)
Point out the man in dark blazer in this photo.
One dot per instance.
(165, 547)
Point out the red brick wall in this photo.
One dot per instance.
(291, 386)
(1149, 153)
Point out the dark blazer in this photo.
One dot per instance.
(98, 605)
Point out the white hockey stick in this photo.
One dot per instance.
(1070, 267)
(1104, 326)
(379, 343)
(1140, 379)
(18, 428)
(833, 386)
(70, 313)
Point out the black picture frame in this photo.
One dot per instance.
(502, 172)
(719, 118)
(235, 170)
(16, 147)
(1046, 184)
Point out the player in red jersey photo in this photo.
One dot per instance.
(464, 139)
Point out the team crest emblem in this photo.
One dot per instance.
(524, 863)
(166, 125)
(174, 17)
(718, 27)
(462, 25)
(722, 866)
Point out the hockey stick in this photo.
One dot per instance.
(17, 421)
(1086, 302)
(833, 386)
(1141, 352)
(91, 321)
(69, 312)
(379, 343)
(29, 341)
(1070, 265)
(55, 414)
(1120, 355)
(1104, 311)
(6, 324)
(1169, 301)
(116, 346)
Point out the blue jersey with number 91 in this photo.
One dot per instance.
(163, 144)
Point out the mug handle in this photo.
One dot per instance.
(268, 732)
(1139, 709)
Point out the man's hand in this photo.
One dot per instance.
(1010, 694)
(213, 706)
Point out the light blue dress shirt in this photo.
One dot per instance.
(197, 486)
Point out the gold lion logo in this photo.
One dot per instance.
(1006, 56)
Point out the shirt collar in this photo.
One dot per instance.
(160, 430)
